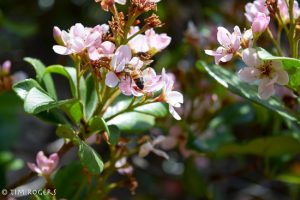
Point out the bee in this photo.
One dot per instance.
(136, 76)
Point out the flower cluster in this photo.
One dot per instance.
(122, 57)
(265, 73)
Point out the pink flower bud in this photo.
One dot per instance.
(44, 166)
(6, 66)
(57, 35)
(260, 23)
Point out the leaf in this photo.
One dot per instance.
(91, 97)
(65, 131)
(46, 81)
(74, 109)
(235, 85)
(114, 134)
(97, 124)
(289, 178)
(54, 116)
(65, 177)
(23, 87)
(153, 109)
(266, 147)
(37, 101)
(64, 71)
(90, 159)
(133, 121)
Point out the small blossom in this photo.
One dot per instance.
(230, 44)
(247, 39)
(57, 35)
(173, 98)
(6, 66)
(252, 9)
(150, 146)
(151, 42)
(44, 166)
(260, 23)
(267, 72)
(123, 167)
(78, 39)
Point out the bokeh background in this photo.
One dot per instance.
(200, 167)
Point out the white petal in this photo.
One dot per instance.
(248, 74)
(250, 57)
(61, 50)
(266, 88)
(145, 149)
(174, 113)
(174, 97)
(223, 37)
(111, 79)
(283, 77)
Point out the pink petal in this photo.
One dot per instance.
(108, 47)
(111, 80)
(248, 74)
(283, 77)
(265, 89)
(250, 57)
(93, 53)
(174, 98)
(34, 168)
(223, 37)
(174, 113)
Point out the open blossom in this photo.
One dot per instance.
(121, 59)
(260, 23)
(230, 44)
(173, 98)
(78, 39)
(44, 166)
(252, 9)
(151, 83)
(150, 146)
(267, 72)
(149, 42)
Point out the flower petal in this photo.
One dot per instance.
(111, 79)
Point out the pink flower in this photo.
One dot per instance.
(45, 166)
(150, 42)
(151, 83)
(173, 98)
(157, 42)
(267, 72)
(57, 35)
(6, 66)
(252, 9)
(260, 23)
(284, 10)
(230, 45)
(76, 40)
(150, 146)
(121, 57)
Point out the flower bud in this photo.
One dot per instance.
(44, 166)
(57, 35)
(260, 23)
(6, 66)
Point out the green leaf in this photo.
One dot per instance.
(46, 81)
(133, 122)
(91, 97)
(289, 178)
(114, 134)
(23, 87)
(54, 116)
(97, 124)
(37, 101)
(153, 109)
(64, 71)
(65, 177)
(74, 111)
(65, 131)
(266, 147)
(90, 159)
(235, 85)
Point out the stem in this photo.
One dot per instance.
(279, 51)
(112, 98)
(292, 34)
(78, 78)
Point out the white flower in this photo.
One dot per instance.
(267, 72)
(148, 147)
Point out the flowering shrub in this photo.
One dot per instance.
(114, 89)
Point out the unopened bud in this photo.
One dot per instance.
(57, 35)
(6, 66)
